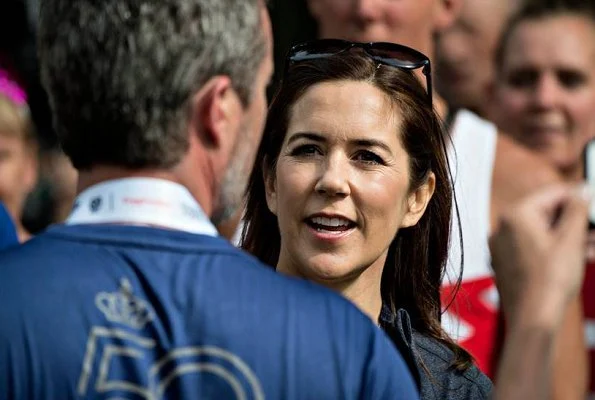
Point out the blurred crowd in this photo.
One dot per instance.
(38, 183)
(514, 85)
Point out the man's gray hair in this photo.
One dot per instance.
(120, 73)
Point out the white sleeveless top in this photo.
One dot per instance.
(471, 158)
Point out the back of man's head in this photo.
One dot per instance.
(120, 73)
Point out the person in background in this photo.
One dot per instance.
(545, 97)
(51, 199)
(160, 106)
(354, 193)
(18, 151)
(545, 91)
(465, 53)
(50, 202)
(61, 178)
(8, 234)
(490, 171)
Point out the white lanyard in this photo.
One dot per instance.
(141, 201)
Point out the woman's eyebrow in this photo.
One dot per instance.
(372, 143)
(305, 135)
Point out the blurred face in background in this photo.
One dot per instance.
(465, 52)
(545, 92)
(18, 159)
(57, 170)
(408, 22)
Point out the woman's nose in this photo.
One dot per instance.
(546, 92)
(334, 177)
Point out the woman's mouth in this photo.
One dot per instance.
(330, 224)
(330, 228)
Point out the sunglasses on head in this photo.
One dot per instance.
(391, 54)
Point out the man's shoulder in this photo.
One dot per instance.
(217, 280)
(67, 256)
(84, 242)
(253, 311)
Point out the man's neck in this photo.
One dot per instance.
(101, 174)
(98, 174)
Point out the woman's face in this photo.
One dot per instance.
(545, 94)
(18, 172)
(341, 188)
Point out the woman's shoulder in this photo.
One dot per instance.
(435, 361)
(431, 364)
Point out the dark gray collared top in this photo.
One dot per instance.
(438, 380)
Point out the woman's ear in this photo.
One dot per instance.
(418, 201)
(270, 189)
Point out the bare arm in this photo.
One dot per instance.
(571, 361)
(525, 369)
(540, 270)
(517, 173)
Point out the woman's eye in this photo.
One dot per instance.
(306, 150)
(369, 157)
(523, 79)
(571, 79)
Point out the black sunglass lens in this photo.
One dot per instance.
(318, 49)
(398, 58)
(309, 55)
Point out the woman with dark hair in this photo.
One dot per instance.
(351, 190)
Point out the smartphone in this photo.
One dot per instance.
(590, 177)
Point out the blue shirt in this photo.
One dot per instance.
(108, 311)
(8, 234)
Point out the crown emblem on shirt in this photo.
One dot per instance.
(124, 308)
(95, 204)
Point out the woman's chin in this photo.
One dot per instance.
(332, 274)
(331, 267)
(329, 276)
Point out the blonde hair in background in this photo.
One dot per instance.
(15, 121)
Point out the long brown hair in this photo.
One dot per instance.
(417, 256)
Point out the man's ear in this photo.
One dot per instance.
(216, 112)
(447, 12)
(418, 201)
(270, 187)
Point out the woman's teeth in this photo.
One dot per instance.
(330, 224)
